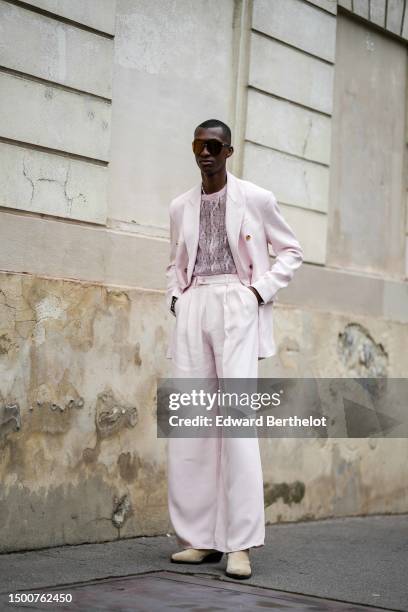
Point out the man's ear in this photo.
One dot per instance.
(230, 151)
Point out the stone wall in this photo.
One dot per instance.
(80, 460)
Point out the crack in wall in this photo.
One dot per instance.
(29, 179)
(69, 200)
(5, 303)
(306, 141)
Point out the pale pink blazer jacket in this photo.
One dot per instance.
(253, 220)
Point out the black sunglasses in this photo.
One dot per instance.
(214, 146)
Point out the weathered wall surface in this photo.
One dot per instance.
(80, 460)
(79, 456)
(99, 99)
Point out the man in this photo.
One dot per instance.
(221, 288)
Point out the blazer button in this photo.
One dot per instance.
(250, 266)
(177, 243)
(185, 269)
(247, 237)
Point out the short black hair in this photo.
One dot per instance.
(210, 123)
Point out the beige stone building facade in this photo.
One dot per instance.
(97, 107)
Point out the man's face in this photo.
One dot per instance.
(210, 164)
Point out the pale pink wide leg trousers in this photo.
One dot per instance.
(215, 485)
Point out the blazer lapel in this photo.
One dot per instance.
(191, 227)
(235, 209)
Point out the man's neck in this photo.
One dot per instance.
(215, 182)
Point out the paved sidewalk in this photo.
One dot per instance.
(358, 560)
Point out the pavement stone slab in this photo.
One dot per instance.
(359, 560)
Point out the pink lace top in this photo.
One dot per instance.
(213, 254)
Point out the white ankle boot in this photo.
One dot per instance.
(238, 565)
(196, 555)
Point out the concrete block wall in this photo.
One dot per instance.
(171, 68)
(290, 101)
(98, 15)
(56, 72)
(368, 178)
(115, 173)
